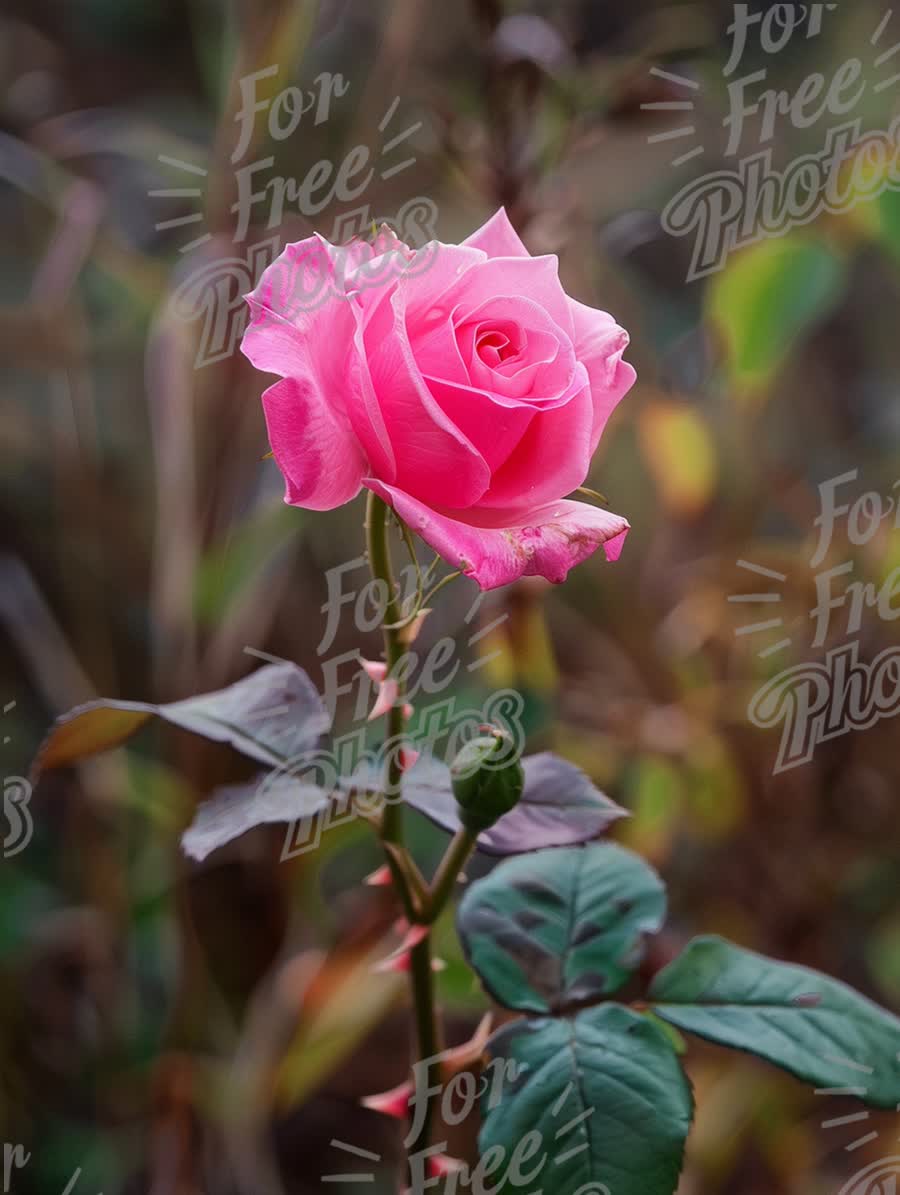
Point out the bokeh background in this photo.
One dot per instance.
(173, 1027)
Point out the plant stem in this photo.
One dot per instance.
(458, 852)
(380, 565)
(428, 1037)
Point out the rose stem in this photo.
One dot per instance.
(428, 1036)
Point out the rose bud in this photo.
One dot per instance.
(487, 780)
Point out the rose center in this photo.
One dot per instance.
(497, 345)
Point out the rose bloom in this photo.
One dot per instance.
(458, 382)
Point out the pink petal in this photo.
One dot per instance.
(420, 292)
(315, 450)
(546, 541)
(553, 455)
(307, 340)
(497, 237)
(428, 451)
(494, 427)
(599, 344)
(536, 277)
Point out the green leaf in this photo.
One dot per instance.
(813, 1026)
(556, 928)
(768, 296)
(600, 1096)
(887, 220)
(274, 716)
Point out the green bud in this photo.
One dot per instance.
(487, 780)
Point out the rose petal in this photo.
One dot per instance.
(546, 541)
(313, 445)
(497, 237)
(493, 425)
(541, 369)
(293, 332)
(536, 277)
(599, 345)
(553, 455)
(433, 457)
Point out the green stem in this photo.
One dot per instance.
(428, 1039)
(377, 514)
(440, 585)
(461, 847)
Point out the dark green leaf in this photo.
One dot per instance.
(601, 1097)
(556, 928)
(813, 1026)
(274, 715)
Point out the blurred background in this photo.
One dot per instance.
(175, 1027)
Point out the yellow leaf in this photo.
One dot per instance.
(681, 455)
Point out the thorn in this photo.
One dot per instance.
(408, 758)
(410, 633)
(414, 935)
(380, 877)
(399, 959)
(438, 965)
(408, 711)
(387, 696)
(440, 1165)
(375, 670)
(394, 963)
(391, 1103)
(461, 1057)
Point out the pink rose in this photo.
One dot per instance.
(459, 382)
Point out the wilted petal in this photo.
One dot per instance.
(546, 541)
